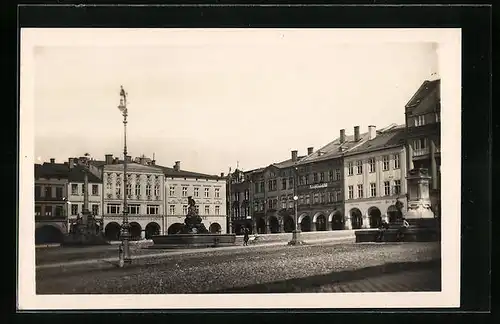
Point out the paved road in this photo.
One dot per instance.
(272, 268)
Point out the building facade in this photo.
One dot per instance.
(374, 174)
(51, 217)
(239, 202)
(145, 198)
(423, 126)
(208, 192)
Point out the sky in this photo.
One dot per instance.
(218, 99)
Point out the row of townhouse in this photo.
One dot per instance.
(157, 196)
(352, 182)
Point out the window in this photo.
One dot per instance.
(385, 163)
(387, 188)
(95, 209)
(396, 161)
(371, 163)
(270, 204)
(137, 190)
(337, 174)
(331, 197)
(301, 200)
(359, 167)
(59, 211)
(373, 189)
(113, 209)
(197, 209)
(256, 187)
(74, 209)
(301, 180)
(38, 210)
(350, 170)
(171, 191)
(152, 209)
(256, 206)
(397, 187)
(184, 209)
(351, 192)
(95, 190)
(306, 179)
(270, 185)
(118, 190)
(148, 190)
(308, 199)
(337, 195)
(184, 191)
(315, 177)
(217, 193)
(196, 192)
(108, 188)
(217, 210)
(157, 191)
(172, 209)
(207, 210)
(261, 186)
(129, 189)
(290, 202)
(59, 192)
(322, 198)
(360, 191)
(283, 184)
(330, 175)
(420, 144)
(48, 211)
(420, 120)
(275, 186)
(290, 182)
(316, 198)
(133, 209)
(207, 192)
(322, 177)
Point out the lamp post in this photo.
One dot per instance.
(296, 232)
(125, 229)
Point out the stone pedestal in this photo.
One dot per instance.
(419, 202)
(296, 238)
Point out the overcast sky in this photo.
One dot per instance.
(214, 98)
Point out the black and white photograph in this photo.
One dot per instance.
(239, 168)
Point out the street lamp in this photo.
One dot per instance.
(125, 229)
(296, 232)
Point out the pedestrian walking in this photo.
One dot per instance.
(245, 236)
(402, 229)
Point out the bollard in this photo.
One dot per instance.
(121, 259)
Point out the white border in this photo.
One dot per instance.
(450, 71)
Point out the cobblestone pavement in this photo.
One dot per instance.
(295, 269)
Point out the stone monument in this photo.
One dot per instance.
(419, 203)
(193, 223)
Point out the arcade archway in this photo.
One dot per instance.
(375, 217)
(174, 228)
(261, 226)
(337, 221)
(393, 214)
(305, 223)
(356, 218)
(135, 231)
(320, 223)
(274, 225)
(48, 234)
(112, 231)
(214, 228)
(288, 224)
(152, 229)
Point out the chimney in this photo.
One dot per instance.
(372, 132)
(108, 158)
(356, 133)
(294, 155)
(342, 136)
(153, 162)
(177, 166)
(222, 174)
(52, 161)
(71, 163)
(310, 150)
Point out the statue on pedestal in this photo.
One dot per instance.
(193, 222)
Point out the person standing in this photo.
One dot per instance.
(245, 236)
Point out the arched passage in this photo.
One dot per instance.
(48, 234)
(336, 220)
(274, 225)
(112, 231)
(135, 231)
(356, 218)
(320, 222)
(393, 214)
(375, 217)
(288, 224)
(152, 229)
(214, 228)
(174, 228)
(305, 223)
(261, 226)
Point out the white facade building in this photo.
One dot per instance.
(375, 178)
(76, 191)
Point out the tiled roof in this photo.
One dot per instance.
(386, 139)
(332, 149)
(51, 170)
(425, 89)
(76, 174)
(171, 172)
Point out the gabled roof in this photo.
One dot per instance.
(386, 139)
(426, 89)
(333, 149)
